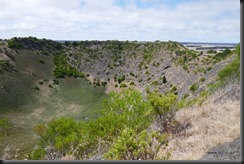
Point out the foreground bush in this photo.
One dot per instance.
(132, 146)
(65, 136)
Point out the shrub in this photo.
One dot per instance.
(119, 111)
(230, 70)
(104, 83)
(173, 89)
(132, 74)
(50, 86)
(14, 44)
(123, 85)
(116, 85)
(42, 61)
(164, 80)
(67, 43)
(33, 74)
(56, 82)
(61, 134)
(132, 146)
(121, 79)
(41, 82)
(193, 87)
(37, 88)
(226, 52)
(74, 43)
(98, 83)
(37, 154)
(208, 68)
(185, 95)
(163, 106)
(4, 126)
(202, 79)
(132, 83)
(180, 104)
(63, 68)
(185, 67)
(155, 82)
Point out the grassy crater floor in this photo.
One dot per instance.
(30, 96)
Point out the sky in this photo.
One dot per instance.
(141, 20)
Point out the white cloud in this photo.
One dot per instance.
(102, 20)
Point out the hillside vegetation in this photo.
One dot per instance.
(148, 86)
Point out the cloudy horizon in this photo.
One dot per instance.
(141, 20)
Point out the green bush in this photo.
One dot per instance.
(37, 154)
(42, 61)
(41, 82)
(121, 79)
(104, 83)
(132, 74)
(74, 43)
(63, 68)
(185, 67)
(230, 70)
(123, 85)
(132, 83)
(202, 80)
(194, 87)
(185, 95)
(162, 104)
(173, 88)
(180, 104)
(132, 146)
(56, 82)
(4, 126)
(14, 44)
(155, 82)
(37, 88)
(208, 68)
(61, 134)
(119, 111)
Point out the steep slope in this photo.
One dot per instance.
(31, 94)
(166, 66)
(210, 125)
(37, 84)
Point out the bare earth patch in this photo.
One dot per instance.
(38, 112)
(111, 87)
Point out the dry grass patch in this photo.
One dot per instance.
(210, 125)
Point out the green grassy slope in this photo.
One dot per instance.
(24, 105)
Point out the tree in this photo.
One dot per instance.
(66, 43)
(74, 43)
